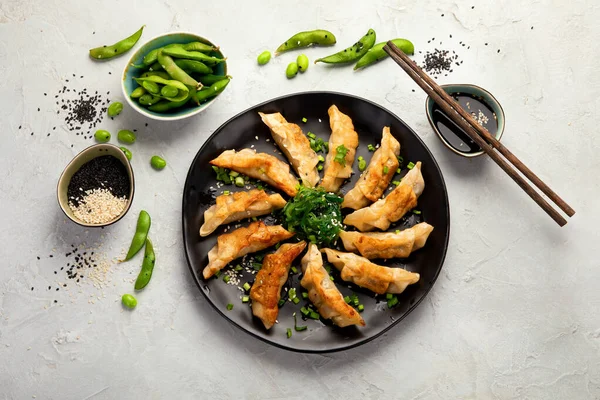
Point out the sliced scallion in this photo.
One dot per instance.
(230, 306)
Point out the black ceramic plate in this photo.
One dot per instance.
(241, 132)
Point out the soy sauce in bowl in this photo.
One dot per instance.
(484, 108)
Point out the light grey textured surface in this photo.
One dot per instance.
(514, 313)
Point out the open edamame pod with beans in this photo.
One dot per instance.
(182, 92)
(308, 38)
(123, 46)
(352, 53)
(376, 52)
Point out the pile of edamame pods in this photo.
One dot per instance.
(178, 74)
(364, 52)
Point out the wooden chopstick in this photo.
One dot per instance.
(477, 133)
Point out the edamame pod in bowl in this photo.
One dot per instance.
(377, 53)
(308, 38)
(352, 53)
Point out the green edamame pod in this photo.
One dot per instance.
(104, 52)
(193, 66)
(137, 92)
(308, 38)
(155, 67)
(102, 136)
(263, 57)
(198, 46)
(174, 70)
(291, 70)
(151, 57)
(302, 62)
(148, 99)
(129, 301)
(158, 162)
(209, 79)
(162, 74)
(140, 236)
(127, 152)
(183, 90)
(151, 87)
(191, 55)
(115, 109)
(354, 52)
(377, 53)
(147, 266)
(214, 90)
(126, 136)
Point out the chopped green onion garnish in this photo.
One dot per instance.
(362, 164)
(281, 302)
(410, 165)
(327, 268)
(292, 293)
(312, 238)
(289, 333)
(361, 308)
(347, 299)
(320, 167)
(355, 301)
(222, 175)
(294, 270)
(259, 187)
(259, 257)
(230, 306)
(396, 183)
(226, 192)
(257, 266)
(296, 300)
(246, 286)
(304, 311)
(313, 315)
(304, 120)
(370, 147)
(385, 169)
(305, 295)
(239, 181)
(217, 274)
(389, 296)
(398, 171)
(245, 299)
(233, 174)
(392, 302)
(416, 212)
(340, 155)
(400, 159)
(226, 278)
(321, 159)
(331, 278)
(238, 267)
(311, 135)
(397, 230)
(277, 246)
(300, 328)
(326, 144)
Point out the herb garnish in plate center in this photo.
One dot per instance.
(314, 215)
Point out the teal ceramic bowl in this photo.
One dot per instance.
(130, 72)
(475, 91)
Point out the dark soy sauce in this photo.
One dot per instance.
(454, 135)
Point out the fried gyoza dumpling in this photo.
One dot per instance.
(323, 293)
(364, 273)
(295, 146)
(266, 290)
(390, 209)
(237, 206)
(387, 244)
(256, 237)
(377, 177)
(342, 133)
(261, 166)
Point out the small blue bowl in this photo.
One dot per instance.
(131, 72)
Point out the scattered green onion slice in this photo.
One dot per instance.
(396, 183)
(304, 295)
(361, 308)
(238, 267)
(304, 311)
(233, 174)
(410, 165)
(226, 278)
(313, 315)
(281, 302)
(217, 274)
(239, 181)
(321, 158)
(292, 293)
(304, 120)
(296, 300)
(246, 286)
(289, 333)
(347, 299)
(385, 169)
(226, 192)
(398, 170)
(320, 168)
(257, 266)
(370, 147)
(392, 302)
(245, 299)
(294, 270)
(230, 306)
(222, 175)
(311, 135)
(340, 155)
(416, 212)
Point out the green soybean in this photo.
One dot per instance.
(115, 109)
(129, 301)
(354, 52)
(137, 92)
(183, 89)
(140, 236)
(165, 105)
(175, 71)
(376, 53)
(161, 74)
(198, 46)
(127, 152)
(147, 266)
(126, 136)
(102, 136)
(209, 79)
(151, 87)
(264, 57)
(191, 55)
(158, 162)
(169, 91)
(155, 67)
(105, 52)
(193, 66)
(291, 70)
(151, 57)
(302, 62)
(148, 99)
(214, 90)
(308, 38)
